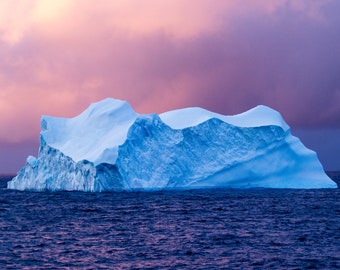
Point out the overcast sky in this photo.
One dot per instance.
(226, 56)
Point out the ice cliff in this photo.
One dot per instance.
(111, 147)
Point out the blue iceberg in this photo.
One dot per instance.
(110, 147)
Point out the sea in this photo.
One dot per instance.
(193, 229)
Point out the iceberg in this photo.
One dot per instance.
(110, 147)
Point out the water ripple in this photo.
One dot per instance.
(197, 229)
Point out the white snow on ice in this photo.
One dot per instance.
(95, 134)
(256, 117)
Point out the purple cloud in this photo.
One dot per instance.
(284, 55)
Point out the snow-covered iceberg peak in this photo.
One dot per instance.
(256, 117)
(94, 135)
(111, 147)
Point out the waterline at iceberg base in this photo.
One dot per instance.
(110, 147)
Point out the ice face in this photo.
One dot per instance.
(111, 147)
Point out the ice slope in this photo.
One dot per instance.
(111, 147)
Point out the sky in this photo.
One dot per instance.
(223, 55)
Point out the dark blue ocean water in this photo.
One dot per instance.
(197, 229)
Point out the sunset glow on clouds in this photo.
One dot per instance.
(227, 56)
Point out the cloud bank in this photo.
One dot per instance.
(225, 56)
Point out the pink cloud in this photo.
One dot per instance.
(225, 56)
